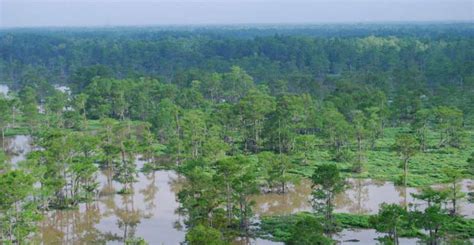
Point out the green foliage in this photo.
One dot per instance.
(18, 214)
(3, 161)
(338, 133)
(280, 228)
(301, 228)
(241, 115)
(327, 182)
(450, 125)
(307, 230)
(390, 219)
(406, 146)
(135, 241)
(347, 220)
(204, 235)
(276, 170)
(433, 219)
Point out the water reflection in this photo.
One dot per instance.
(363, 196)
(149, 213)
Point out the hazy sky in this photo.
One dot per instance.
(23, 13)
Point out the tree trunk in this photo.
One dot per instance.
(405, 171)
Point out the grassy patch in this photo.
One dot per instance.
(384, 164)
(279, 228)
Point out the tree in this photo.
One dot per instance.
(108, 141)
(433, 219)
(3, 162)
(306, 145)
(276, 169)
(431, 196)
(5, 116)
(337, 131)
(214, 147)
(327, 183)
(407, 146)
(29, 107)
(455, 193)
(125, 169)
(293, 115)
(359, 122)
(237, 177)
(421, 125)
(450, 125)
(202, 196)
(307, 231)
(80, 105)
(245, 185)
(166, 121)
(470, 162)
(374, 124)
(149, 146)
(389, 219)
(84, 75)
(227, 170)
(236, 84)
(194, 131)
(204, 235)
(54, 108)
(18, 214)
(254, 108)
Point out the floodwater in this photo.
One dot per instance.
(150, 212)
(363, 196)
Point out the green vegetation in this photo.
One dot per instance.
(282, 228)
(327, 182)
(238, 115)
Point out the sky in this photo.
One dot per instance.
(39, 13)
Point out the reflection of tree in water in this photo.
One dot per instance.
(296, 199)
(403, 193)
(149, 193)
(176, 185)
(72, 226)
(354, 199)
(107, 193)
(360, 197)
(128, 216)
(79, 226)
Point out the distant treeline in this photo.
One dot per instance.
(431, 60)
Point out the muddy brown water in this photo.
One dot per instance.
(362, 196)
(150, 213)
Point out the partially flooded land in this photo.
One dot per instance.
(296, 135)
(152, 206)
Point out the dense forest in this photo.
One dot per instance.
(241, 112)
